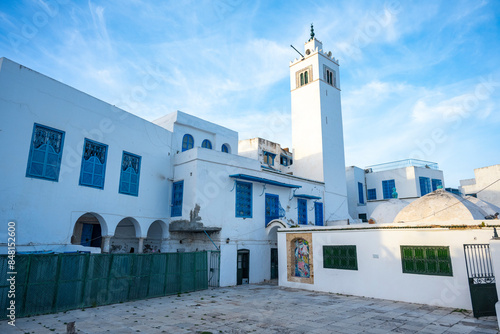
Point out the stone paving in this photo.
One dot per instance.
(258, 308)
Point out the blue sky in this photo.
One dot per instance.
(418, 79)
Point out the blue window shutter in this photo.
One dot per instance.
(224, 148)
(93, 169)
(129, 175)
(318, 214)
(243, 199)
(361, 197)
(302, 211)
(272, 208)
(425, 185)
(372, 194)
(177, 194)
(387, 187)
(45, 155)
(187, 142)
(436, 183)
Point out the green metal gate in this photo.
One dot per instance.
(52, 283)
(482, 285)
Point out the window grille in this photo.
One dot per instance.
(273, 208)
(318, 214)
(340, 257)
(206, 144)
(243, 199)
(129, 175)
(426, 260)
(425, 185)
(187, 142)
(177, 194)
(387, 187)
(361, 196)
(93, 164)
(372, 194)
(302, 210)
(45, 154)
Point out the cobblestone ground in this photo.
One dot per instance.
(258, 309)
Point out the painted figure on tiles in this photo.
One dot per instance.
(301, 258)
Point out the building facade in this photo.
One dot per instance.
(485, 185)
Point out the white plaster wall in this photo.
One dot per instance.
(486, 188)
(46, 211)
(353, 176)
(379, 273)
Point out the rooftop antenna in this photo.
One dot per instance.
(297, 51)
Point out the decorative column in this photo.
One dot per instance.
(141, 245)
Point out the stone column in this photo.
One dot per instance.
(106, 241)
(495, 258)
(141, 245)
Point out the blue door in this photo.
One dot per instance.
(86, 235)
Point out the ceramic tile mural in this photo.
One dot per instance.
(302, 258)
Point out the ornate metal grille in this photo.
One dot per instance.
(49, 137)
(243, 199)
(340, 257)
(93, 164)
(302, 210)
(426, 260)
(45, 153)
(478, 262)
(129, 176)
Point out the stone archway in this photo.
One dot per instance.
(88, 230)
(126, 237)
(156, 233)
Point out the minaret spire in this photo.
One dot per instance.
(312, 32)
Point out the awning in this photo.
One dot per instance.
(262, 180)
(306, 196)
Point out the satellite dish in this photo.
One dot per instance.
(308, 52)
(329, 53)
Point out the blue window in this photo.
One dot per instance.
(372, 194)
(302, 210)
(269, 158)
(187, 142)
(272, 207)
(177, 194)
(206, 144)
(318, 214)
(243, 199)
(129, 174)
(93, 164)
(361, 196)
(45, 155)
(387, 187)
(436, 183)
(283, 160)
(425, 185)
(225, 148)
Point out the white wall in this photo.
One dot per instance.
(353, 176)
(485, 185)
(379, 273)
(46, 211)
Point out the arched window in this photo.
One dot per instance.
(187, 142)
(206, 144)
(302, 79)
(225, 148)
(306, 77)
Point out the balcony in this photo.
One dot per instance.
(402, 164)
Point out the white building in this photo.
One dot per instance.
(84, 175)
(374, 185)
(485, 185)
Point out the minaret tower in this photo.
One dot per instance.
(317, 136)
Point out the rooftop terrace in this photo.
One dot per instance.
(402, 164)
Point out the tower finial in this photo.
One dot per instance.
(312, 32)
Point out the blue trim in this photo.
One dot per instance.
(206, 144)
(129, 179)
(271, 156)
(46, 170)
(187, 142)
(262, 180)
(306, 196)
(272, 208)
(244, 197)
(177, 195)
(318, 213)
(361, 197)
(283, 160)
(225, 148)
(436, 183)
(302, 211)
(97, 179)
(425, 185)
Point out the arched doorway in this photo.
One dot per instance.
(125, 239)
(88, 231)
(243, 267)
(272, 235)
(152, 244)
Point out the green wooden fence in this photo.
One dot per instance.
(52, 283)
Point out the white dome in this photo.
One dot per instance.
(385, 212)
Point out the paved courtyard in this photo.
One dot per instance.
(259, 308)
